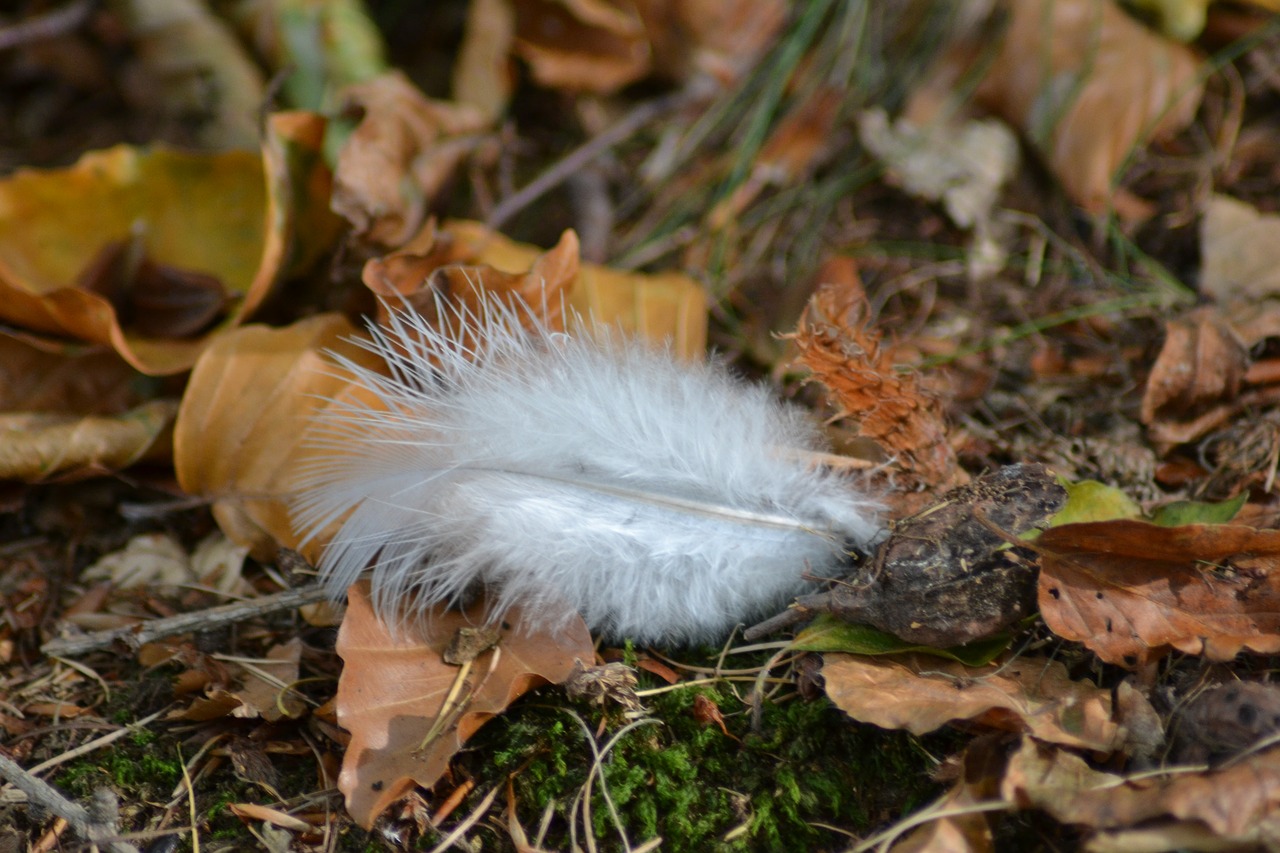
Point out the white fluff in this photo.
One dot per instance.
(664, 501)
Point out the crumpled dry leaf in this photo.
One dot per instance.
(602, 45)
(1131, 591)
(419, 280)
(1088, 85)
(962, 166)
(148, 559)
(37, 377)
(264, 691)
(36, 447)
(1196, 379)
(1225, 720)
(399, 156)
(837, 344)
(1240, 252)
(921, 693)
(237, 217)
(963, 829)
(1240, 804)
(396, 694)
(660, 307)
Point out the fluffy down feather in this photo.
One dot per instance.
(664, 501)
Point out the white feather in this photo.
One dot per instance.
(664, 501)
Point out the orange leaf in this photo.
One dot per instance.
(1088, 85)
(393, 691)
(225, 218)
(1130, 590)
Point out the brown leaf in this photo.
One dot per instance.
(1131, 591)
(1239, 804)
(40, 376)
(582, 45)
(839, 346)
(420, 280)
(399, 156)
(393, 691)
(1088, 85)
(1241, 252)
(37, 447)
(1196, 378)
(921, 693)
(241, 429)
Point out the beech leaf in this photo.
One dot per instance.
(394, 688)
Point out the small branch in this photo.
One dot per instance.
(49, 25)
(135, 636)
(43, 794)
(578, 158)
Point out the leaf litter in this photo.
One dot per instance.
(779, 184)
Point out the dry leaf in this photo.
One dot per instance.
(1131, 591)
(1240, 804)
(665, 307)
(1196, 379)
(226, 216)
(961, 165)
(1240, 251)
(393, 693)
(399, 156)
(582, 45)
(837, 344)
(149, 559)
(961, 831)
(242, 427)
(1089, 85)
(266, 685)
(36, 377)
(921, 693)
(420, 280)
(37, 447)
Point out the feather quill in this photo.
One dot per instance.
(664, 501)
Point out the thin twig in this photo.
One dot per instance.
(575, 160)
(135, 636)
(47, 26)
(77, 817)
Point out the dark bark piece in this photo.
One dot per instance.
(948, 575)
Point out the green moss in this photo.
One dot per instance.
(691, 784)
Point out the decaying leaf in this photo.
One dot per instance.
(399, 156)
(228, 218)
(1240, 248)
(837, 344)
(36, 447)
(665, 308)
(921, 693)
(1089, 85)
(962, 166)
(1225, 720)
(1196, 378)
(1239, 804)
(408, 711)
(1131, 591)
